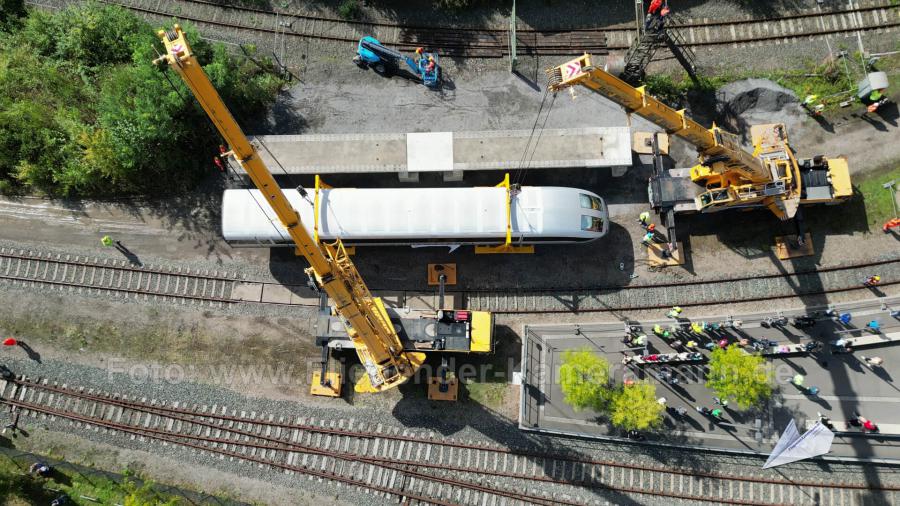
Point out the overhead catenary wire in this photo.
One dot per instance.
(520, 171)
(538, 141)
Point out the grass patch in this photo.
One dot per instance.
(879, 208)
(18, 487)
(673, 92)
(491, 395)
(831, 81)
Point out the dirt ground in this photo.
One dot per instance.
(117, 336)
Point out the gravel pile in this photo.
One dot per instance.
(757, 101)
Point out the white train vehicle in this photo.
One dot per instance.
(420, 216)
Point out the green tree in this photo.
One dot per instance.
(739, 376)
(635, 407)
(10, 12)
(584, 379)
(83, 111)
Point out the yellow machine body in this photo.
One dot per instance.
(386, 363)
(731, 177)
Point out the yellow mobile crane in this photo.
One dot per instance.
(726, 176)
(387, 359)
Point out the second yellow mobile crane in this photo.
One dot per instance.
(387, 359)
(726, 176)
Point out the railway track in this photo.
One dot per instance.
(288, 31)
(84, 275)
(694, 293)
(405, 465)
(879, 17)
(116, 278)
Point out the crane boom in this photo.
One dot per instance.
(722, 150)
(770, 176)
(377, 343)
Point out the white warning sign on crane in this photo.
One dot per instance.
(572, 69)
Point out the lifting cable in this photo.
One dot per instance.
(526, 158)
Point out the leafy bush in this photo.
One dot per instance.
(739, 376)
(83, 111)
(10, 12)
(453, 5)
(635, 407)
(349, 9)
(584, 380)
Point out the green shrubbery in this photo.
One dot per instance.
(585, 383)
(83, 111)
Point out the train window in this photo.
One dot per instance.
(591, 223)
(590, 202)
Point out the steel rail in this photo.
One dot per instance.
(470, 296)
(403, 466)
(502, 31)
(186, 415)
(455, 42)
(778, 275)
(709, 302)
(280, 445)
(570, 300)
(33, 263)
(176, 438)
(127, 268)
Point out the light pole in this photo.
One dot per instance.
(513, 59)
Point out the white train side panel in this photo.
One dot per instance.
(412, 216)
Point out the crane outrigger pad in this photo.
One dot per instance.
(435, 271)
(439, 390)
(656, 258)
(786, 247)
(331, 387)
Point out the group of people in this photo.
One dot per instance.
(857, 421)
(651, 235)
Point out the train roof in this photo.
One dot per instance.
(412, 213)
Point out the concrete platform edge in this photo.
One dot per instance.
(708, 449)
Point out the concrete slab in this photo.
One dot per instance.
(429, 152)
(592, 147)
(276, 294)
(304, 297)
(552, 148)
(248, 292)
(643, 143)
(393, 299)
(429, 301)
(869, 339)
(841, 427)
